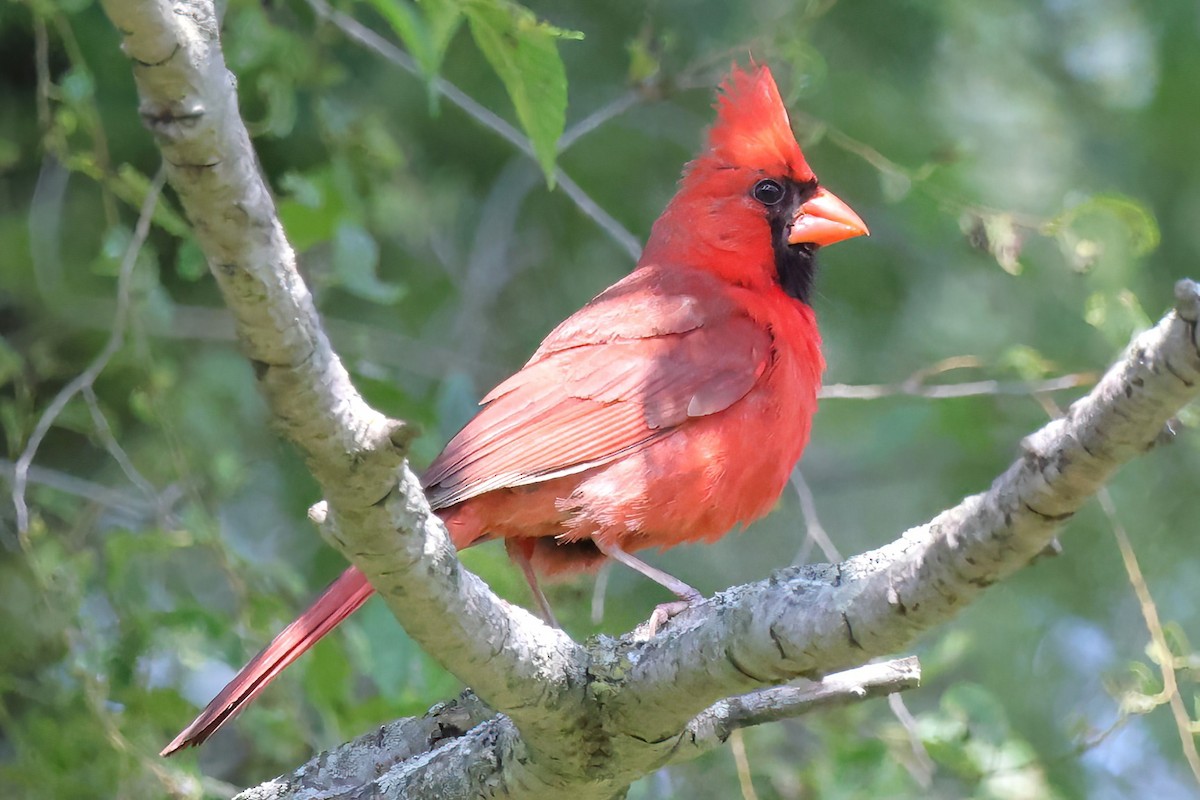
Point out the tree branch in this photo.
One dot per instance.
(713, 726)
(810, 620)
(650, 697)
(384, 759)
(575, 720)
(347, 768)
(383, 523)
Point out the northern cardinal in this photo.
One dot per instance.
(669, 409)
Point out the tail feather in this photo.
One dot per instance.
(343, 597)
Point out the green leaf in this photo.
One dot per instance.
(77, 86)
(112, 250)
(10, 153)
(312, 209)
(1103, 236)
(10, 363)
(132, 186)
(524, 54)
(644, 61)
(279, 94)
(407, 24)
(443, 18)
(998, 234)
(1027, 362)
(1133, 216)
(190, 263)
(426, 36)
(355, 259)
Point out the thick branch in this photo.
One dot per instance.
(585, 722)
(189, 103)
(486, 761)
(404, 756)
(344, 769)
(652, 698)
(812, 620)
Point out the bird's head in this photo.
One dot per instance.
(749, 207)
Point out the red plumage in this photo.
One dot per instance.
(671, 408)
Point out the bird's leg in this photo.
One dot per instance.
(664, 611)
(520, 552)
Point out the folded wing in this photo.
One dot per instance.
(657, 349)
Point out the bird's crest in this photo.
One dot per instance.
(752, 127)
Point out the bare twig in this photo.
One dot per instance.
(118, 454)
(615, 230)
(922, 766)
(41, 60)
(23, 472)
(86, 378)
(491, 265)
(1160, 652)
(610, 110)
(776, 629)
(129, 504)
(600, 592)
(738, 747)
(814, 531)
(844, 391)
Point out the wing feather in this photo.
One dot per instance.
(635, 364)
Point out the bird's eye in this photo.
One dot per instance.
(768, 192)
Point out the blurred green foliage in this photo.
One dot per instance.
(1029, 175)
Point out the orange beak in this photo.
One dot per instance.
(825, 219)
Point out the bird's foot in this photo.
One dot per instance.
(663, 613)
(688, 596)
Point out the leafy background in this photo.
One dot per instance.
(1028, 171)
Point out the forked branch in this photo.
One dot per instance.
(571, 719)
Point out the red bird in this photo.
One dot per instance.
(669, 409)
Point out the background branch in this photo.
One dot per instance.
(84, 380)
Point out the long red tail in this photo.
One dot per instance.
(343, 597)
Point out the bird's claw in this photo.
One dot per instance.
(662, 613)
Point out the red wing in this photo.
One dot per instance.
(650, 301)
(590, 395)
